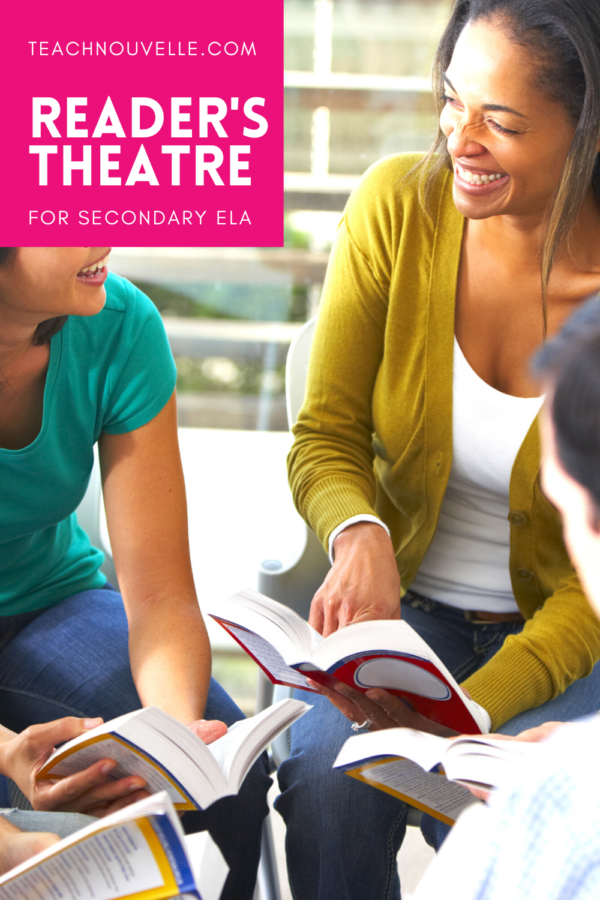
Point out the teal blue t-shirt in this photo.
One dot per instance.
(111, 373)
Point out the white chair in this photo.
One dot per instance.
(295, 580)
(92, 518)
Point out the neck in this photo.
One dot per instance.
(520, 238)
(16, 337)
(516, 237)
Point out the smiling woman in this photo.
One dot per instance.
(84, 359)
(416, 453)
(551, 44)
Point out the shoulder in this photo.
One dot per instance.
(124, 299)
(129, 323)
(385, 211)
(126, 313)
(394, 183)
(562, 776)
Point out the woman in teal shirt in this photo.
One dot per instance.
(83, 359)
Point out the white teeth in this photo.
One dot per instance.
(92, 270)
(476, 178)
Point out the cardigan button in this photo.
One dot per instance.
(525, 574)
(517, 518)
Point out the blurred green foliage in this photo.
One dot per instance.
(237, 376)
(223, 300)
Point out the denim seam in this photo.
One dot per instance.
(392, 856)
(70, 709)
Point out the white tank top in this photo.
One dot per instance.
(466, 564)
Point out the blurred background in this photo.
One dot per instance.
(357, 88)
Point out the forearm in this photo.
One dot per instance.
(6, 828)
(17, 846)
(170, 656)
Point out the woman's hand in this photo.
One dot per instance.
(23, 755)
(540, 733)
(380, 708)
(363, 582)
(531, 735)
(208, 730)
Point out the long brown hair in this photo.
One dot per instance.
(45, 330)
(564, 40)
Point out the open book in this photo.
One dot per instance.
(139, 852)
(386, 653)
(170, 757)
(410, 765)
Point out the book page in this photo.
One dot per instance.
(112, 863)
(426, 790)
(209, 866)
(155, 776)
(267, 656)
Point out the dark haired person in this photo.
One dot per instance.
(420, 414)
(542, 838)
(84, 358)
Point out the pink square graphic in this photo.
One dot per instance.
(142, 124)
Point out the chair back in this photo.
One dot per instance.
(91, 516)
(296, 369)
(295, 579)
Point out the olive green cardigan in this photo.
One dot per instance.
(375, 433)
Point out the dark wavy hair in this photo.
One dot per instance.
(570, 365)
(563, 39)
(45, 330)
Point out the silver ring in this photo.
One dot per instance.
(366, 724)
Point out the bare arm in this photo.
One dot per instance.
(18, 846)
(146, 510)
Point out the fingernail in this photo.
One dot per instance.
(343, 689)
(137, 787)
(108, 766)
(372, 695)
(92, 723)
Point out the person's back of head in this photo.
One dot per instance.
(569, 366)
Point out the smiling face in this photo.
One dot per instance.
(507, 140)
(44, 282)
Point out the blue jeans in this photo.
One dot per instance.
(343, 836)
(73, 660)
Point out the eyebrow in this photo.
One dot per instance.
(492, 107)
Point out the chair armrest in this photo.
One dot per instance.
(294, 581)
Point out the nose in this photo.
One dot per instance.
(461, 140)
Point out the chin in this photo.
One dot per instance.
(92, 304)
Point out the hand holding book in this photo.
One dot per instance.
(379, 709)
(387, 655)
(363, 583)
(92, 790)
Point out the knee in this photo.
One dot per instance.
(252, 796)
(312, 791)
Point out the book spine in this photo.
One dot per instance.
(175, 854)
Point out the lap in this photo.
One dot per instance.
(71, 660)
(62, 824)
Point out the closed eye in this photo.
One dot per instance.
(445, 98)
(501, 129)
